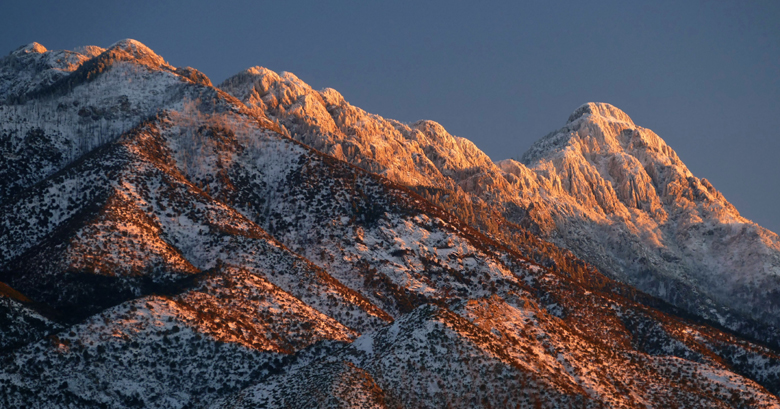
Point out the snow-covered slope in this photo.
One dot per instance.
(624, 201)
(193, 253)
(400, 252)
(422, 153)
(434, 358)
(613, 193)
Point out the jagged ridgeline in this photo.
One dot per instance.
(611, 192)
(166, 243)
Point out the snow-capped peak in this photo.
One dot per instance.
(603, 109)
(592, 127)
(129, 43)
(137, 50)
(30, 48)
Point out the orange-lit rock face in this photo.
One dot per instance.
(625, 184)
(611, 191)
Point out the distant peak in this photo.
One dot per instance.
(137, 50)
(601, 109)
(287, 75)
(128, 43)
(558, 140)
(254, 77)
(260, 71)
(270, 75)
(31, 48)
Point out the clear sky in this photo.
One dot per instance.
(703, 75)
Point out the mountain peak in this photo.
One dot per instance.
(129, 43)
(602, 109)
(33, 47)
(332, 97)
(260, 71)
(137, 50)
(598, 122)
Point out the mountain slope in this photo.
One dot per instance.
(224, 330)
(613, 193)
(195, 255)
(435, 358)
(631, 204)
(399, 252)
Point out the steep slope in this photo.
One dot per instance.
(323, 384)
(435, 358)
(95, 102)
(613, 193)
(626, 202)
(402, 252)
(156, 351)
(122, 221)
(420, 154)
(194, 249)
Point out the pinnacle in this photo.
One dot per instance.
(332, 97)
(260, 71)
(602, 109)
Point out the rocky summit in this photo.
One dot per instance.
(168, 243)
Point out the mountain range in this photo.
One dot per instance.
(170, 243)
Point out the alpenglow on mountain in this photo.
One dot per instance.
(167, 243)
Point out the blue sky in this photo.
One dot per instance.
(705, 76)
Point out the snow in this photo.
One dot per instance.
(272, 257)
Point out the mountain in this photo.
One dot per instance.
(613, 193)
(630, 200)
(33, 67)
(168, 243)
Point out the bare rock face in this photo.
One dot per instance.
(422, 153)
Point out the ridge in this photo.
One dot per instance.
(293, 263)
(613, 193)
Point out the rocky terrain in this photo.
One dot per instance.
(167, 243)
(613, 193)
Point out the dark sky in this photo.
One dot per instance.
(705, 76)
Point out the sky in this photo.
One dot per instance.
(704, 75)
